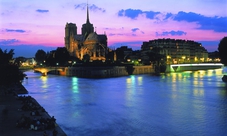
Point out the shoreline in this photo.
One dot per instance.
(12, 112)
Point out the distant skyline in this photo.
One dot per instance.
(27, 26)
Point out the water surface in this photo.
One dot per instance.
(187, 103)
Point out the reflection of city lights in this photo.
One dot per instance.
(174, 96)
(198, 92)
(75, 85)
(133, 79)
(210, 72)
(201, 71)
(128, 81)
(130, 88)
(44, 81)
(174, 76)
(140, 80)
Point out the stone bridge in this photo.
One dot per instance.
(45, 70)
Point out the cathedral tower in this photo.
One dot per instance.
(87, 28)
(87, 43)
(70, 29)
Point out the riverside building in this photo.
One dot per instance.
(89, 43)
(177, 51)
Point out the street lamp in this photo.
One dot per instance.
(70, 63)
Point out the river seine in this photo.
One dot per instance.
(176, 104)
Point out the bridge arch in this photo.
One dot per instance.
(45, 70)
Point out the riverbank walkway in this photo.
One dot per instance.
(11, 114)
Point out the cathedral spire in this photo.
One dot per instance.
(88, 22)
(87, 28)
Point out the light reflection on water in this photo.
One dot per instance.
(187, 103)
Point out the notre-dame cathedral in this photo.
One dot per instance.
(88, 43)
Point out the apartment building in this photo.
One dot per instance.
(177, 50)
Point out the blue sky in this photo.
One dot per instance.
(27, 26)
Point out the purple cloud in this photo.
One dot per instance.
(172, 33)
(135, 29)
(112, 34)
(92, 7)
(42, 11)
(15, 30)
(217, 24)
(133, 13)
(135, 44)
(5, 42)
(19, 49)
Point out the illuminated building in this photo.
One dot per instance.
(177, 51)
(89, 43)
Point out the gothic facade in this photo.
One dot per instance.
(88, 43)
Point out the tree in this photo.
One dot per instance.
(50, 58)
(9, 72)
(158, 60)
(40, 56)
(222, 48)
(5, 56)
(62, 56)
(18, 60)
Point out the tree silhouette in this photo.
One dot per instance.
(40, 56)
(222, 48)
(158, 60)
(9, 72)
(62, 56)
(5, 56)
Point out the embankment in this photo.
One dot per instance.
(15, 121)
(106, 72)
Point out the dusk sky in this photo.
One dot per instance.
(29, 25)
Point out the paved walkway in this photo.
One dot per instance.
(10, 113)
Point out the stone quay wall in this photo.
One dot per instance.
(105, 72)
